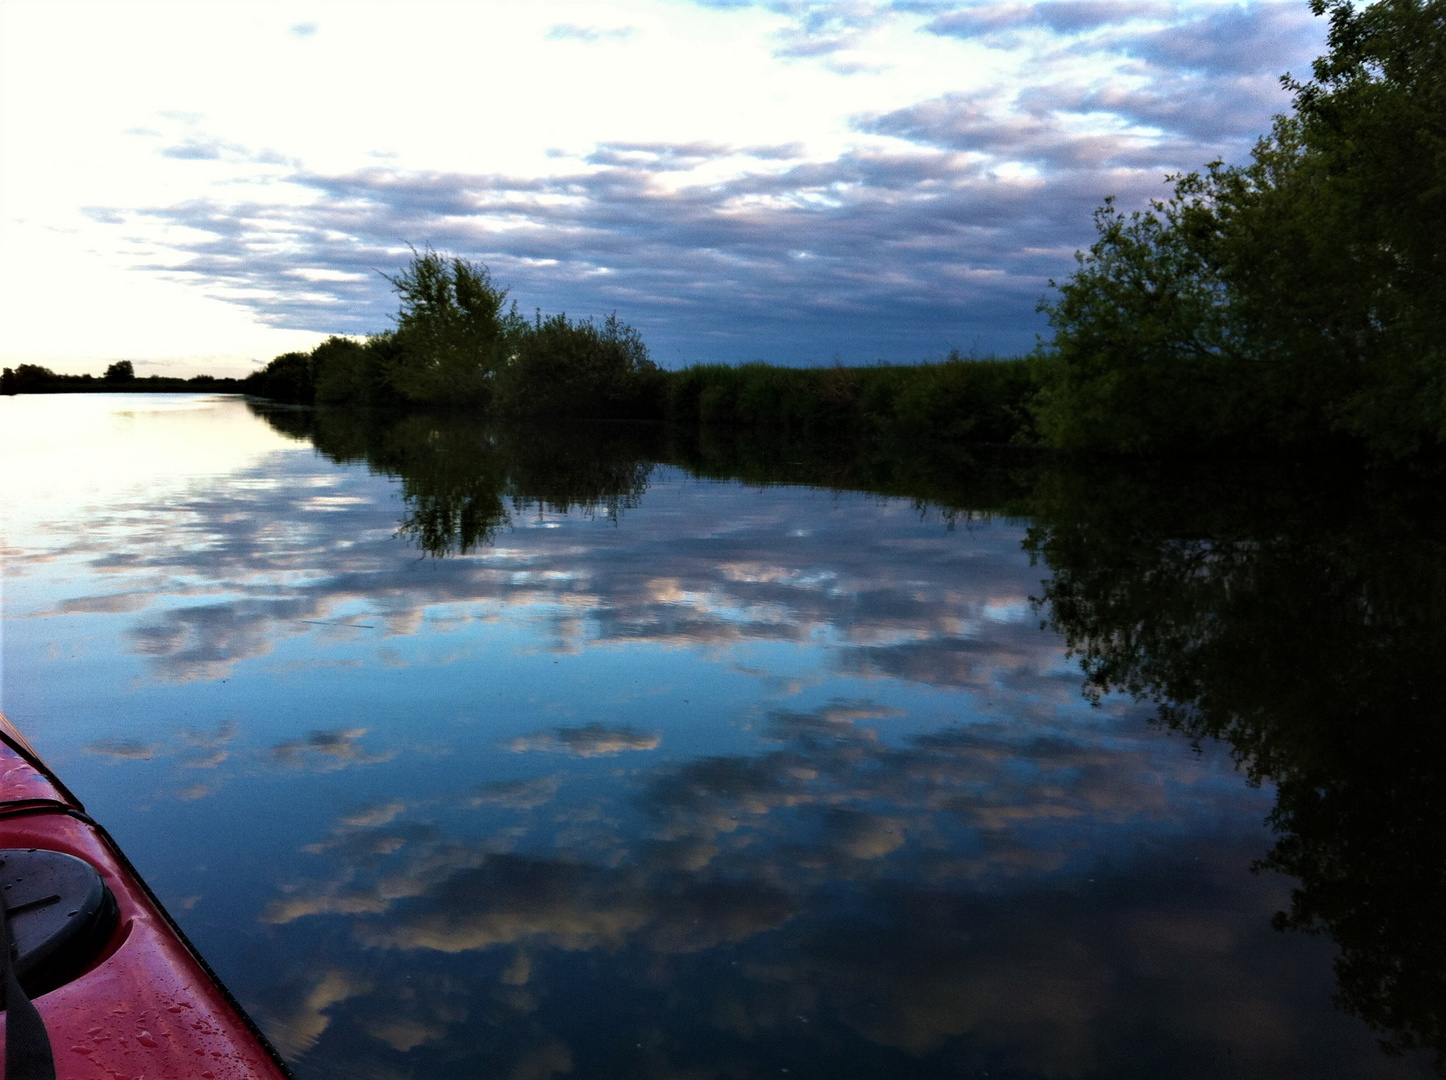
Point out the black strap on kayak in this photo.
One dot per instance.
(27, 1045)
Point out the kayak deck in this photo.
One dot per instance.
(146, 1007)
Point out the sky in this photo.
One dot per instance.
(199, 187)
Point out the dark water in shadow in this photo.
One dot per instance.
(541, 752)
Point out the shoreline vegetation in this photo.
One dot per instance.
(1297, 300)
(1289, 305)
(458, 343)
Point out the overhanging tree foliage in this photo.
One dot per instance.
(1298, 297)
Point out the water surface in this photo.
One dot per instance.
(536, 753)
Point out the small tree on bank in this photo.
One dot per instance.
(453, 331)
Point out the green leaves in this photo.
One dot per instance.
(453, 332)
(1298, 298)
(562, 367)
(1144, 345)
(457, 342)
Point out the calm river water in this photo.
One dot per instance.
(545, 753)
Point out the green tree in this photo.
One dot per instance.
(1144, 354)
(288, 378)
(1372, 183)
(346, 370)
(453, 331)
(457, 342)
(1289, 299)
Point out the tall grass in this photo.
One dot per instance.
(958, 399)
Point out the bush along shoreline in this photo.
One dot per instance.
(957, 399)
(458, 343)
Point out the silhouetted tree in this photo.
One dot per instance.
(27, 379)
(288, 378)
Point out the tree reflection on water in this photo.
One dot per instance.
(1296, 615)
(1300, 618)
(462, 481)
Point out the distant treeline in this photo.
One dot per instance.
(120, 377)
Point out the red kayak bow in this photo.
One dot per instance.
(118, 992)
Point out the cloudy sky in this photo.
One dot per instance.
(201, 186)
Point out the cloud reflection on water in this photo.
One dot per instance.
(687, 583)
(590, 740)
(946, 898)
(705, 780)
